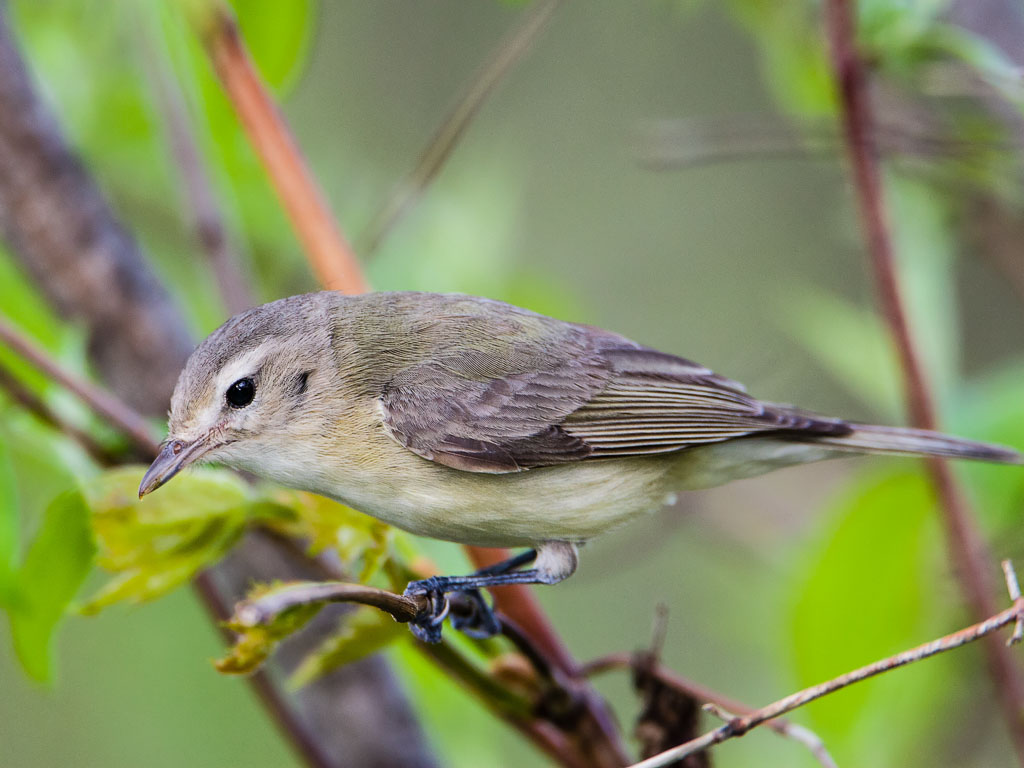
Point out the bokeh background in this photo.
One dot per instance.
(603, 182)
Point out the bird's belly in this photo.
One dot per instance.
(571, 502)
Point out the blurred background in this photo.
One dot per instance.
(668, 170)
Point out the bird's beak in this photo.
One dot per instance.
(174, 456)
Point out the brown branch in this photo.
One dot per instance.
(106, 406)
(741, 725)
(331, 256)
(262, 609)
(29, 401)
(967, 548)
(509, 51)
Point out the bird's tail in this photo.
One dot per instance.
(905, 441)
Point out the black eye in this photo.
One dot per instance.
(241, 393)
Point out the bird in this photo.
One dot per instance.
(475, 421)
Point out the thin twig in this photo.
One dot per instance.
(741, 725)
(967, 548)
(695, 690)
(35, 405)
(331, 256)
(1013, 587)
(196, 190)
(105, 405)
(504, 57)
(262, 609)
(795, 732)
(673, 144)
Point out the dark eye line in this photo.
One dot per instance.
(303, 382)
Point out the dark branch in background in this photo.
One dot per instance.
(334, 263)
(57, 223)
(197, 193)
(27, 399)
(967, 549)
(667, 145)
(509, 51)
(740, 725)
(102, 403)
(59, 227)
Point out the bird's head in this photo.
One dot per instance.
(246, 386)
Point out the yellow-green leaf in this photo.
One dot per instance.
(160, 542)
(254, 643)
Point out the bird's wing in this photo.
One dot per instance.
(577, 397)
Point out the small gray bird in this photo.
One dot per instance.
(475, 421)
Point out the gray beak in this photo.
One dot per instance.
(174, 456)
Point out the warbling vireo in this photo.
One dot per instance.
(474, 421)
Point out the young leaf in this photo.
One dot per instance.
(363, 632)
(255, 642)
(55, 565)
(362, 542)
(161, 541)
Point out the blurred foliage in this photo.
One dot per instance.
(866, 579)
(55, 565)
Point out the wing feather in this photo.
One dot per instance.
(564, 393)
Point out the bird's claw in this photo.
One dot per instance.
(426, 626)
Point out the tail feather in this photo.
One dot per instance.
(906, 441)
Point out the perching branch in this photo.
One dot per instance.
(967, 548)
(740, 725)
(509, 51)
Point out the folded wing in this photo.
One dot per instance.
(578, 396)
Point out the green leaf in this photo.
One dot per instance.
(364, 631)
(160, 542)
(254, 644)
(55, 565)
(277, 35)
(865, 595)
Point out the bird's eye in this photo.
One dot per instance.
(241, 393)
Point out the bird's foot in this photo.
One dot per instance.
(426, 626)
(472, 614)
